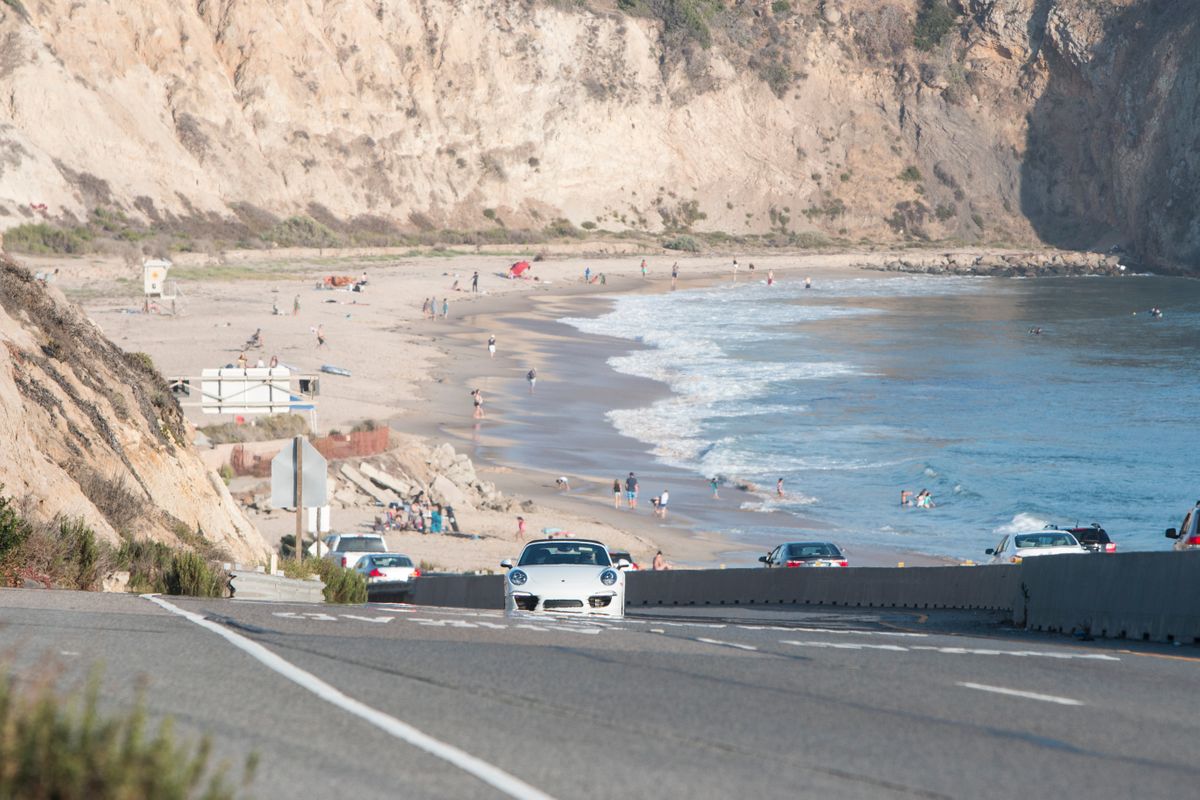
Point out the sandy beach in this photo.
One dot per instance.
(416, 375)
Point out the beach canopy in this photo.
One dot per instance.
(519, 267)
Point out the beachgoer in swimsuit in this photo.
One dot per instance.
(643, 268)
(475, 282)
(713, 485)
(662, 503)
(616, 493)
(477, 397)
(531, 376)
(779, 487)
(674, 274)
(492, 346)
(631, 489)
(520, 528)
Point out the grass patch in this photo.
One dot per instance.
(40, 238)
(158, 567)
(55, 749)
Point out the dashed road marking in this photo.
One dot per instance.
(958, 651)
(720, 643)
(367, 619)
(1045, 698)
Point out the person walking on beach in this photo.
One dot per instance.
(662, 503)
(320, 336)
(631, 490)
(808, 283)
(770, 277)
(643, 269)
(477, 398)
(492, 345)
(587, 274)
(475, 283)
(617, 493)
(713, 484)
(674, 275)
(425, 309)
(295, 305)
(779, 488)
(520, 529)
(445, 307)
(735, 270)
(531, 376)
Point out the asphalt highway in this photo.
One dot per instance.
(400, 701)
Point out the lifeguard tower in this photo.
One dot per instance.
(160, 293)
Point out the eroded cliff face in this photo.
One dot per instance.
(88, 430)
(1065, 120)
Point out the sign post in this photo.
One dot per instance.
(298, 476)
(298, 456)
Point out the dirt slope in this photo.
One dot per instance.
(88, 431)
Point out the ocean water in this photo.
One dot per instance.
(861, 387)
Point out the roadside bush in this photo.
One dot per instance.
(14, 531)
(272, 426)
(910, 174)
(191, 574)
(147, 563)
(54, 749)
(342, 584)
(685, 243)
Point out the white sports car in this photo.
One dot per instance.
(574, 576)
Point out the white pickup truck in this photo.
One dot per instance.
(345, 549)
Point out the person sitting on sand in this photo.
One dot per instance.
(241, 360)
(660, 563)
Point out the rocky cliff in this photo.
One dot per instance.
(88, 430)
(1067, 121)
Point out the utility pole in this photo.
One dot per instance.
(298, 457)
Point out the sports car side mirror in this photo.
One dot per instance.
(763, 559)
(990, 551)
(506, 563)
(623, 563)
(1171, 533)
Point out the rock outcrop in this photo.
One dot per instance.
(88, 430)
(1066, 121)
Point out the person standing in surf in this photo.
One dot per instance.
(674, 275)
(531, 376)
(631, 490)
(779, 488)
(492, 345)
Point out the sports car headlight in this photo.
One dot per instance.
(517, 577)
(608, 577)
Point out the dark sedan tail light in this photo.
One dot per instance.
(1193, 540)
(843, 563)
(1111, 547)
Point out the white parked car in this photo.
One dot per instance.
(387, 568)
(1014, 549)
(572, 576)
(345, 549)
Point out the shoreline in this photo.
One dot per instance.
(416, 374)
(525, 434)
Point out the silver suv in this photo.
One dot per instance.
(1187, 537)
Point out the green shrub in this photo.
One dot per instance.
(147, 563)
(562, 228)
(342, 584)
(52, 749)
(685, 242)
(37, 238)
(226, 473)
(192, 575)
(934, 21)
(14, 531)
(781, 7)
(302, 232)
(910, 174)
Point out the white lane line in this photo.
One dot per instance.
(368, 619)
(719, 643)
(860, 633)
(1045, 698)
(489, 774)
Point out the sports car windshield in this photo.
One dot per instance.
(1045, 540)
(580, 553)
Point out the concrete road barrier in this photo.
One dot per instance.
(1150, 596)
(261, 586)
